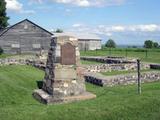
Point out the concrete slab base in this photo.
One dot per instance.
(45, 98)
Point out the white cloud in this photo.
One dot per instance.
(77, 25)
(146, 30)
(84, 3)
(35, 1)
(27, 12)
(68, 10)
(108, 34)
(14, 5)
(117, 28)
(89, 3)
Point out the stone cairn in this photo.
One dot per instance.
(64, 79)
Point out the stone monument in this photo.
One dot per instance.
(64, 81)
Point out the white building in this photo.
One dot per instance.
(85, 41)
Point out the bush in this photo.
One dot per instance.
(1, 50)
(110, 44)
(148, 44)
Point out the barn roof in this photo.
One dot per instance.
(82, 36)
(5, 30)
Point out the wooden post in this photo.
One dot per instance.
(139, 76)
(126, 53)
(110, 51)
(146, 53)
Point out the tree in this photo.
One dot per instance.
(59, 31)
(110, 43)
(148, 44)
(3, 15)
(155, 45)
(1, 50)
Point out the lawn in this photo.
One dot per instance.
(112, 103)
(5, 55)
(87, 62)
(153, 55)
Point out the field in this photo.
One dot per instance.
(117, 103)
(149, 55)
(146, 55)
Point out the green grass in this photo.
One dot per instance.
(153, 55)
(87, 62)
(116, 72)
(5, 55)
(16, 55)
(117, 103)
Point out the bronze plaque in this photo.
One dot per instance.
(68, 54)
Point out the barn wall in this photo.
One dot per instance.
(25, 37)
(89, 44)
(83, 44)
(94, 44)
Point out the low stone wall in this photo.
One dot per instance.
(15, 61)
(155, 66)
(111, 67)
(11, 61)
(110, 60)
(102, 80)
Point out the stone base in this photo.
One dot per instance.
(45, 98)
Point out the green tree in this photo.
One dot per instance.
(1, 50)
(155, 45)
(3, 15)
(148, 44)
(110, 43)
(59, 31)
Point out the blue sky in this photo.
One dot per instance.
(125, 21)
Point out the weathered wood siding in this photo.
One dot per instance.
(89, 44)
(28, 36)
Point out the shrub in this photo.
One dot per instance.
(1, 50)
(110, 44)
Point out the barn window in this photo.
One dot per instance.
(36, 46)
(15, 45)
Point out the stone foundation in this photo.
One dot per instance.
(45, 98)
(110, 60)
(113, 67)
(101, 80)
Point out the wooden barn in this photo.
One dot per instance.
(28, 37)
(25, 37)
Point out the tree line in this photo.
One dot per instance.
(147, 44)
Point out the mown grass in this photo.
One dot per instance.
(153, 55)
(5, 55)
(117, 103)
(87, 62)
(16, 55)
